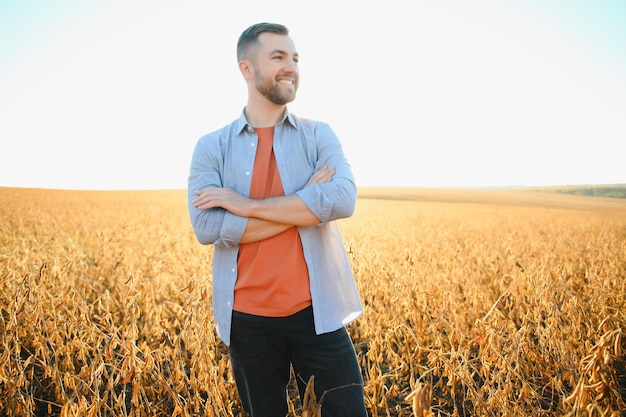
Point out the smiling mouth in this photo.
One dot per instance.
(288, 82)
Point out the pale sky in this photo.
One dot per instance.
(115, 94)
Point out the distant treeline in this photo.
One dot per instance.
(610, 191)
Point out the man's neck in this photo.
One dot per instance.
(264, 115)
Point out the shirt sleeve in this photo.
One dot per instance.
(212, 226)
(336, 199)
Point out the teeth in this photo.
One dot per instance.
(286, 82)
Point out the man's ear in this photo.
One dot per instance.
(246, 68)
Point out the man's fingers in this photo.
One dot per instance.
(321, 176)
(204, 197)
(326, 174)
(198, 200)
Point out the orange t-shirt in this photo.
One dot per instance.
(273, 279)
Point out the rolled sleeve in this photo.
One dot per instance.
(329, 201)
(206, 224)
(233, 228)
(214, 226)
(336, 199)
(203, 175)
(317, 202)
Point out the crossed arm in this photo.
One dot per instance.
(266, 217)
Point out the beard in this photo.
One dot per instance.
(271, 90)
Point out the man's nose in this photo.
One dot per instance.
(291, 66)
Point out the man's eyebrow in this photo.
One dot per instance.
(280, 51)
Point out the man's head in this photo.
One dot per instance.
(249, 38)
(268, 61)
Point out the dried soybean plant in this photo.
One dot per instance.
(497, 308)
(488, 305)
(105, 312)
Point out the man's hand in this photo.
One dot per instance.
(321, 176)
(224, 198)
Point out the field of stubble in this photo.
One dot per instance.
(477, 303)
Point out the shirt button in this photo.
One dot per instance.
(233, 269)
(252, 144)
(247, 172)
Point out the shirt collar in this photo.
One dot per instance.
(242, 123)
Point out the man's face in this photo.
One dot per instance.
(276, 73)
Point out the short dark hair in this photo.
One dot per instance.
(249, 37)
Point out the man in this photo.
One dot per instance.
(265, 191)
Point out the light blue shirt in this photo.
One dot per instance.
(225, 158)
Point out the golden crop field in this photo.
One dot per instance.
(477, 303)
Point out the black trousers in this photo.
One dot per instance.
(263, 349)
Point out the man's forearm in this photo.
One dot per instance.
(272, 216)
(259, 229)
(289, 210)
